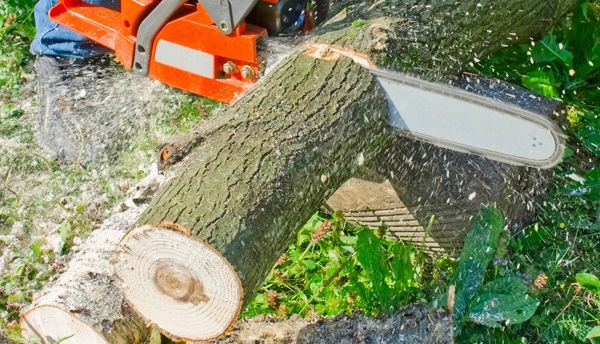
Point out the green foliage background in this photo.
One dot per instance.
(16, 32)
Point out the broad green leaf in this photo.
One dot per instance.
(505, 285)
(501, 309)
(590, 136)
(593, 334)
(588, 281)
(541, 82)
(478, 251)
(402, 268)
(373, 259)
(549, 50)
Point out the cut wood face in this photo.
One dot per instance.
(54, 324)
(183, 285)
(373, 203)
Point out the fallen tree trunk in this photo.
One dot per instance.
(210, 236)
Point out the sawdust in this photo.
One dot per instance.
(90, 111)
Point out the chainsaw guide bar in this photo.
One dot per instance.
(455, 119)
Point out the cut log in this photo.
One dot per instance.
(83, 305)
(276, 155)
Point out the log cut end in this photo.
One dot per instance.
(181, 284)
(52, 324)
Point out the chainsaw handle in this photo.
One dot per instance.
(227, 14)
(148, 29)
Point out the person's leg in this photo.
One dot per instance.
(53, 39)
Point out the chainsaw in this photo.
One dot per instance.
(210, 48)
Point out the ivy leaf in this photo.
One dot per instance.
(497, 309)
(541, 82)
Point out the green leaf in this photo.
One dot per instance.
(549, 50)
(541, 82)
(588, 281)
(478, 251)
(505, 285)
(373, 259)
(502, 301)
(65, 234)
(402, 267)
(584, 33)
(591, 187)
(348, 240)
(589, 134)
(309, 264)
(593, 334)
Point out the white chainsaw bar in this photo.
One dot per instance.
(458, 120)
(455, 119)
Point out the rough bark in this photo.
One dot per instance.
(272, 158)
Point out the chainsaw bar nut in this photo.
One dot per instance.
(229, 67)
(248, 72)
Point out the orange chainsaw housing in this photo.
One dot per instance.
(189, 52)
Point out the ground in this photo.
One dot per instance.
(47, 208)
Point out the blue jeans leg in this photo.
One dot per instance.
(55, 40)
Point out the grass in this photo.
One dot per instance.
(16, 32)
(333, 267)
(565, 237)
